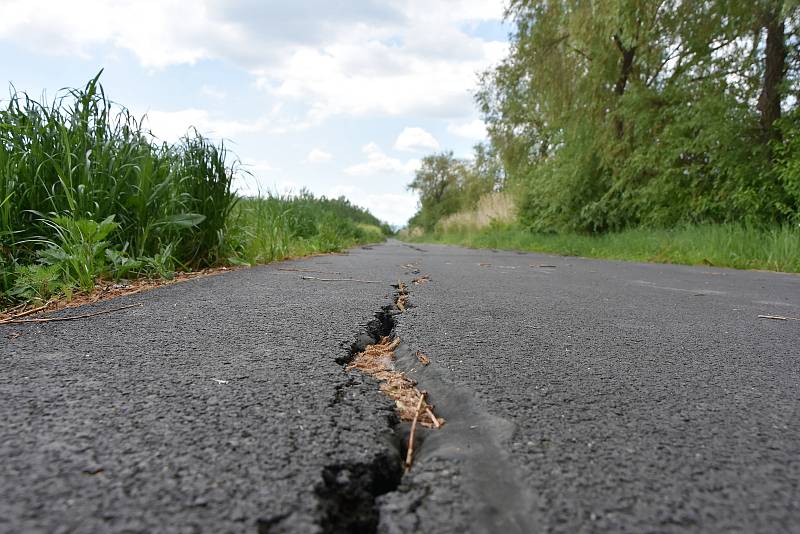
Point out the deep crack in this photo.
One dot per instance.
(348, 491)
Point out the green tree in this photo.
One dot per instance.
(447, 185)
(613, 113)
(437, 181)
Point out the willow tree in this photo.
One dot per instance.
(610, 113)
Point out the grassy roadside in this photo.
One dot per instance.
(88, 194)
(272, 228)
(740, 247)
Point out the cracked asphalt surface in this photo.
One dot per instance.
(580, 396)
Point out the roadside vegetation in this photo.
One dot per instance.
(86, 194)
(665, 131)
(721, 245)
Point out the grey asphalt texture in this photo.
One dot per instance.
(580, 396)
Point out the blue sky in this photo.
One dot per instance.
(343, 98)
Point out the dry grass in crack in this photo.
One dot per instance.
(402, 296)
(424, 279)
(378, 361)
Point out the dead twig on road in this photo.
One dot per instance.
(27, 312)
(436, 422)
(15, 308)
(779, 318)
(340, 280)
(410, 452)
(71, 318)
(298, 270)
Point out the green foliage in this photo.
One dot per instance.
(788, 162)
(447, 185)
(85, 192)
(86, 159)
(123, 266)
(369, 233)
(79, 253)
(38, 282)
(720, 245)
(161, 264)
(666, 131)
(612, 114)
(274, 227)
(207, 201)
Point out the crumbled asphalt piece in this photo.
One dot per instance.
(589, 396)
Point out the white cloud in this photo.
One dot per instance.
(416, 140)
(159, 33)
(394, 208)
(354, 58)
(318, 155)
(171, 125)
(353, 77)
(475, 130)
(379, 163)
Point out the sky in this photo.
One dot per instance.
(340, 97)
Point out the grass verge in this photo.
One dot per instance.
(88, 195)
(736, 246)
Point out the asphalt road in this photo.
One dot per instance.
(580, 396)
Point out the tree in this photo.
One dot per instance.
(437, 182)
(613, 113)
(447, 185)
(769, 101)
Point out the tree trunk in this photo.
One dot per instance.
(625, 71)
(769, 102)
(628, 54)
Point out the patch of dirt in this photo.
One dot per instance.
(107, 290)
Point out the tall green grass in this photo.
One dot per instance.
(275, 227)
(721, 245)
(86, 191)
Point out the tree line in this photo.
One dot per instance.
(611, 114)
